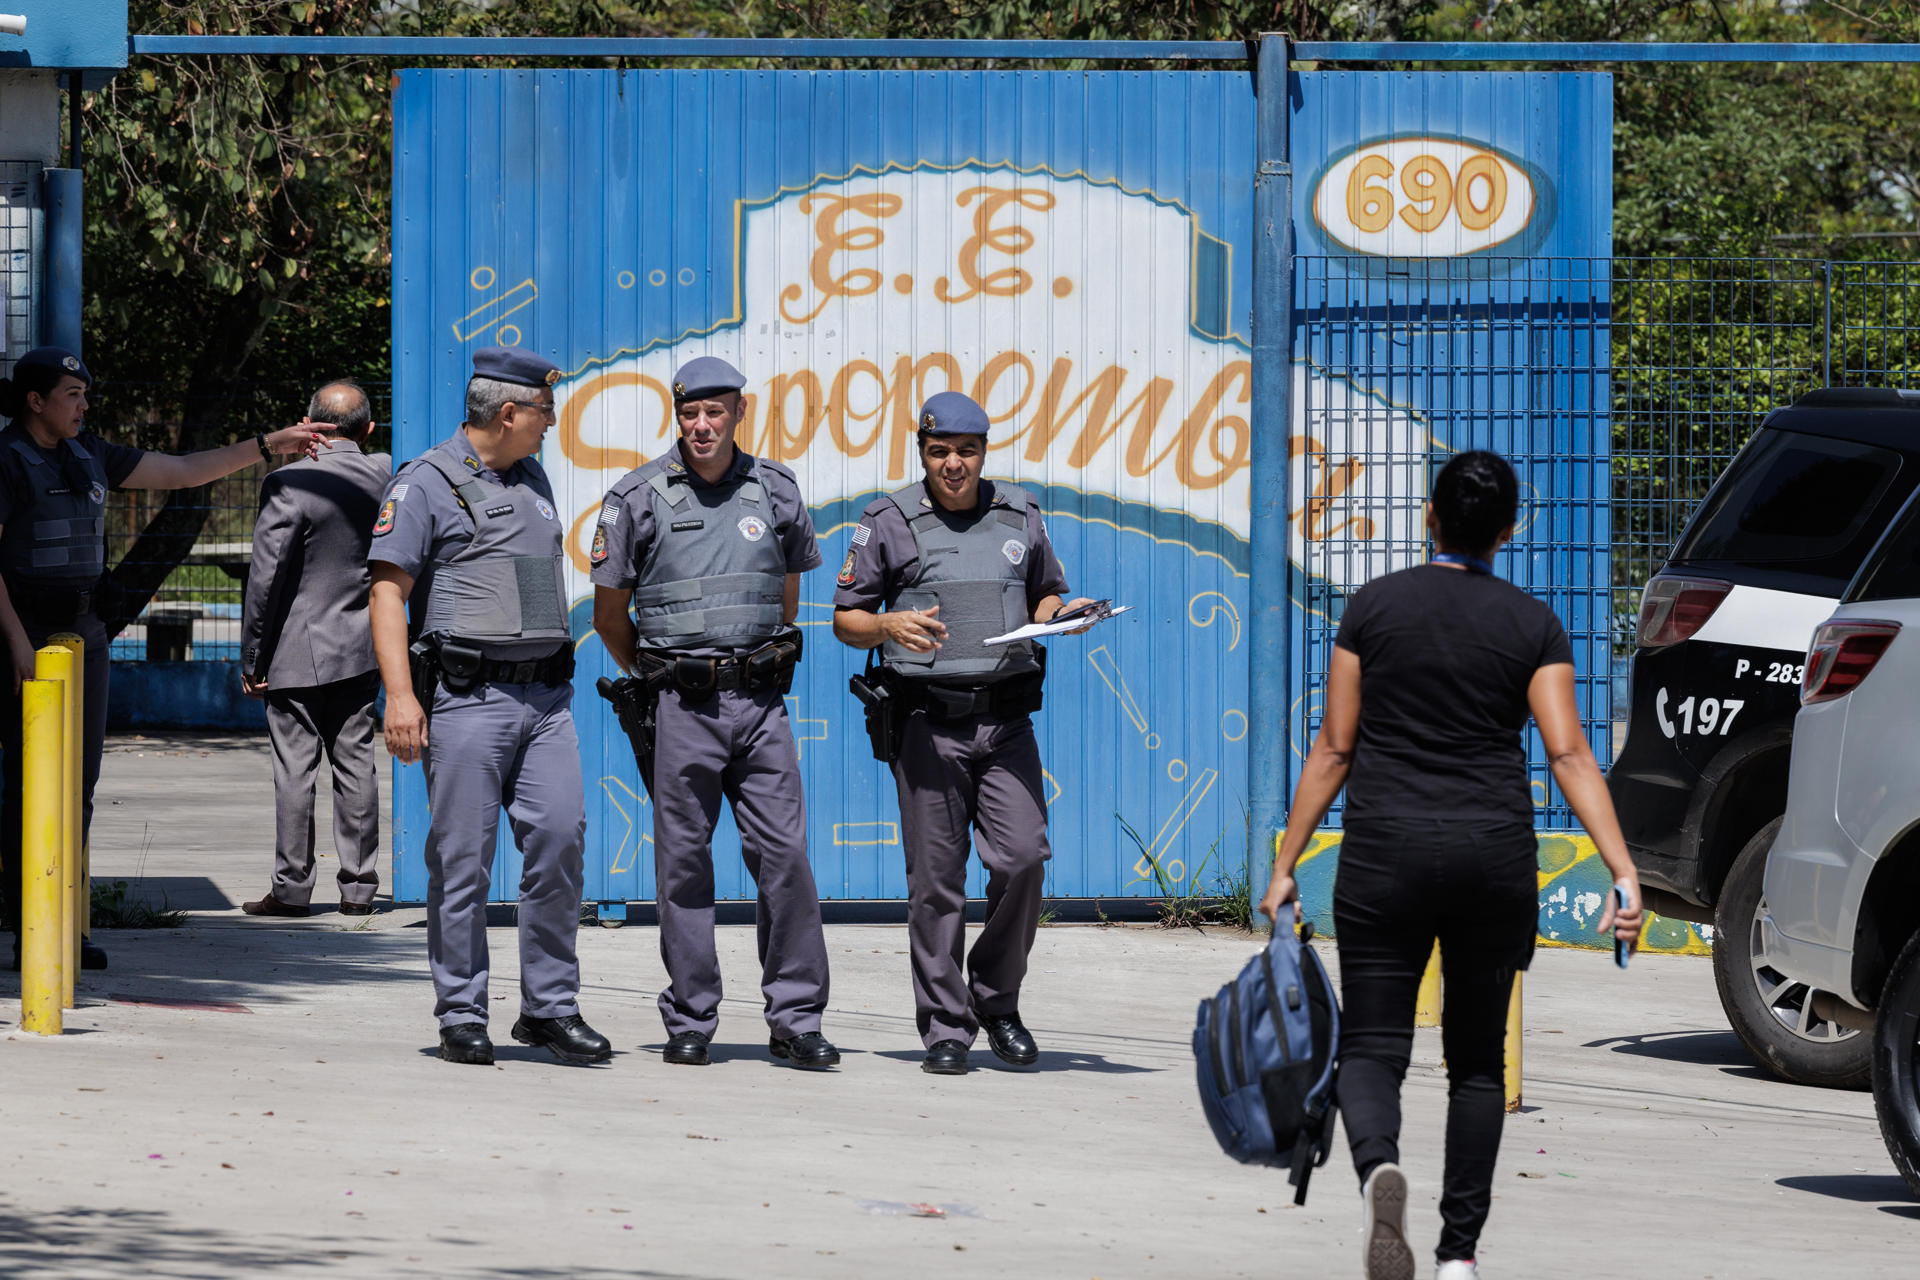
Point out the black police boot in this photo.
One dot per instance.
(1012, 1043)
(466, 1042)
(91, 956)
(688, 1049)
(567, 1038)
(810, 1051)
(946, 1058)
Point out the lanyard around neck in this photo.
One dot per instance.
(1473, 564)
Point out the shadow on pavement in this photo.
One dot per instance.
(136, 1242)
(244, 965)
(1861, 1188)
(982, 1059)
(1701, 1048)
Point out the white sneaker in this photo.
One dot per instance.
(1457, 1269)
(1384, 1225)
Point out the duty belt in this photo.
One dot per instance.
(555, 669)
(50, 604)
(769, 666)
(1018, 696)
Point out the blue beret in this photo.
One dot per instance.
(511, 364)
(952, 414)
(56, 358)
(704, 377)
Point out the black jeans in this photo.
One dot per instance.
(1402, 883)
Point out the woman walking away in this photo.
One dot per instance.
(1434, 672)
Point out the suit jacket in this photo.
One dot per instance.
(305, 619)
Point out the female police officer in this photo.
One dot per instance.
(54, 477)
(955, 560)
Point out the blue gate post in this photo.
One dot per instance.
(1269, 683)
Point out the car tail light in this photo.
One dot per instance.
(1672, 609)
(1842, 655)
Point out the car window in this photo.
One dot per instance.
(1794, 500)
(1892, 572)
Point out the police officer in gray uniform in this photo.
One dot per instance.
(306, 647)
(697, 559)
(54, 480)
(954, 560)
(469, 533)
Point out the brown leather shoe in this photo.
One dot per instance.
(272, 906)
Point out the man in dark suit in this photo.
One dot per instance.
(307, 648)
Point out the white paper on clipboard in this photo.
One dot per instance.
(1034, 630)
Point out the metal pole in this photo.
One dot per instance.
(55, 663)
(43, 719)
(1270, 610)
(79, 887)
(66, 225)
(73, 119)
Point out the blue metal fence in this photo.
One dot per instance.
(1580, 388)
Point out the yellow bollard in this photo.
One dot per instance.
(1513, 1047)
(78, 885)
(42, 966)
(56, 662)
(1426, 1006)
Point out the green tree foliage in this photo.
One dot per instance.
(236, 215)
(239, 207)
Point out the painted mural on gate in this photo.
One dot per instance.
(1072, 250)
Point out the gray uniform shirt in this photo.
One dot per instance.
(422, 524)
(884, 559)
(626, 527)
(304, 622)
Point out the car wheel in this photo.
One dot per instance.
(1771, 1013)
(1896, 1063)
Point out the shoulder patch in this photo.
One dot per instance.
(599, 552)
(385, 523)
(399, 493)
(860, 535)
(845, 577)
(610, 513)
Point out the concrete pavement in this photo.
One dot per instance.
(252, 1098)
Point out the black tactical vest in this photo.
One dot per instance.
(715, 575)
(978, 577)
(503, 589)
(62, 532)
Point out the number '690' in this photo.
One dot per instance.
(1423, 197)
(1703, 717)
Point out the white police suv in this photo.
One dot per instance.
(1701, 780)
(1842, 885)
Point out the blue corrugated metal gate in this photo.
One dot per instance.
(1072, 249)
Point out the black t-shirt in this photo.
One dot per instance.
(1445, 660)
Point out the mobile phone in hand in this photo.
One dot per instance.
(1084, 611)
(1621, 951)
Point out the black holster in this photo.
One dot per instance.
(636, 703)
(886, 712)
(423, 662)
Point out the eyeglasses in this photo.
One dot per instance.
(545, 410)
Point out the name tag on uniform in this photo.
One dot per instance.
(688, 526)
(506, 510)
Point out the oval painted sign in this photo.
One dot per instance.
(1423, 198)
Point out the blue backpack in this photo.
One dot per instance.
(1266, 1049)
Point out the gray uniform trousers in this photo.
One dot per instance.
(982, 773)
(737, 745)
(336, 719)
(512, 745)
